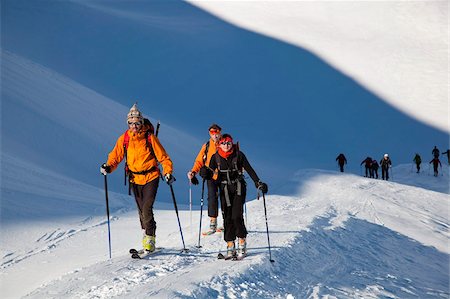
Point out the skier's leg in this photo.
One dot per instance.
(149, 196)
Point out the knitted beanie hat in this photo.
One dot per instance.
(134, 114)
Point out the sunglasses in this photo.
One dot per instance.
(137, 124)
(226, 143)
(214, 132)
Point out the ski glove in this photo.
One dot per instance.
(105, 169)
(194, 180)
(206, 173)
(262, 186)
(169, 179)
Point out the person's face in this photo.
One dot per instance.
(226, 145)
(134, 125)
(215, 135)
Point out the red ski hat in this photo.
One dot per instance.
(226, 138)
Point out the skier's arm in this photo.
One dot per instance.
(251, 172)
(161, 155)
(116, 155)
(198, 163)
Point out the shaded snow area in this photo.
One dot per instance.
(341, 236)
(295, 82)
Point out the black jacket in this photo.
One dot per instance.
(235, 162)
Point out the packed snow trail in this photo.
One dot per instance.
(343, 236)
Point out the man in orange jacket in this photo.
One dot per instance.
(142, 152)
(201, 162)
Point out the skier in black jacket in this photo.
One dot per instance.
(229, 164)
(385, 165)
(341, 160)
(367, 163)
(436, 163)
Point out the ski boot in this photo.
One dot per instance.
(212, 227)
(231, 250)
(242, 248)
(149, 243)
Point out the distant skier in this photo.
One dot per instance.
(367, 163)
(385, 163)
(229, 164)
(201, 161)
(448, 155)
(341, 161)
(436, 163)
(418, 160)
(435, 152)
(142, 152)
(374, 166)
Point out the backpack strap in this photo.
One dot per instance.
(126, 141)
(228, 181)
(205, 154)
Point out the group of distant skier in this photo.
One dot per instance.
(220, 163)
(435, 161)
(371, 165)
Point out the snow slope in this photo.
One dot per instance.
(370, 40)
(305, 81)
(341, 235)
(332, 89)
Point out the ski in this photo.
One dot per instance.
(239, 257)
(220, 256)
(211, 232)
(142, 253)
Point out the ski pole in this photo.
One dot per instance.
(267, 227)
(190, 207)
(178, 217)
(201, 213)
(107, 215)
(245, 211)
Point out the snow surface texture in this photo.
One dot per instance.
(299, 81)
(342, 236)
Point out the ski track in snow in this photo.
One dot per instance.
(49, 241)
(345, 238)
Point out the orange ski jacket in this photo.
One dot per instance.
(141, 158)
(212, 149)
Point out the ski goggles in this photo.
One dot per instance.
(136, 124)
(214, 131)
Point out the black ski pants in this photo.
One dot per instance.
(233, 218)
(341, 167)
(385, 173)
(213, 198)
(145, 196)
(368, 172)
(435, 168)
(375, 173)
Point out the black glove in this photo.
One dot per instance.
(194, 180)
(104, 169)
(169, 179)
(206, 173)
(262, 186)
